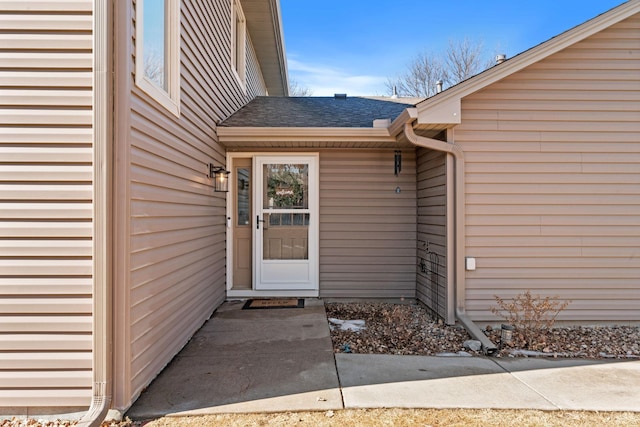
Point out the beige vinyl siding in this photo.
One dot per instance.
(367, 230)
(255, 82)
(431, 283)
(45, 204)
(177, 224)
(553, 185)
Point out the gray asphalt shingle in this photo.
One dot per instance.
(351, 112)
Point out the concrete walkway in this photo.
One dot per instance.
(282, 360)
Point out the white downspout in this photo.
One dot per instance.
(101, 332)
(459, 229)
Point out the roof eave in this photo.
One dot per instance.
(444, 109)
(233, 136)
(409, 115)
(264, 24)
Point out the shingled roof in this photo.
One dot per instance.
(352, 112)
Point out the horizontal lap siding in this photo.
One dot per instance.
(553, 180)
(367, 230)
(432, 220)
(45, 203)
(255, 81)
(177, 224)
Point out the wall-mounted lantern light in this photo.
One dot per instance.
(220, 178)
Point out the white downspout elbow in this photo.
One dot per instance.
(99, 409)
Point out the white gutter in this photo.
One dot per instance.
(101, 393)
(233, 137)
(457, 184)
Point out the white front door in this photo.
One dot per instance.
(286, 228)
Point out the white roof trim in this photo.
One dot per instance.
(234, 135)
(444, 108)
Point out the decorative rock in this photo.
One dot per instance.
(473, 345)
(348, 325)
(408, 329)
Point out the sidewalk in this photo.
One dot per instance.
(282, 360)
(373, 381)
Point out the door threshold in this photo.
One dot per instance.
(249, 293)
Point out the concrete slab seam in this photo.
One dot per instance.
(335, 362)
(551, 402)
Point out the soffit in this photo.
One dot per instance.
(264, 24)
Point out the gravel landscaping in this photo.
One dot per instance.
(405, 329)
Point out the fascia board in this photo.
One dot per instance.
(407, 116)
(282, 53)
(282, 134)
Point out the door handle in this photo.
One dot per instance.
(258, 221)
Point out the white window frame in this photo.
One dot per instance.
(239, 43)
(169, 98)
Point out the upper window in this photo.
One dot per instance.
(238, 42)
(158, 51)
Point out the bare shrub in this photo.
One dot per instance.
(531, 315)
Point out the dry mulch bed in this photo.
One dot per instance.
(393, 329)
(406, 329)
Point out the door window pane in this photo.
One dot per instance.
(286, 186)
(244, 198)
(280, 219)
(286, 236)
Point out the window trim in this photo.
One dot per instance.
(169, 98)
(239, 47)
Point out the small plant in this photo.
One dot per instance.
(531, 315)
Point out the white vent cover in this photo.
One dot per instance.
(381, 123)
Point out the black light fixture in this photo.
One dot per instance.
(397, 162)
(220, 178)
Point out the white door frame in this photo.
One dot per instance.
(314, 253)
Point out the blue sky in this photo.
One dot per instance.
(353, 46)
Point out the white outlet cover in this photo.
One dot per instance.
(470, 263)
